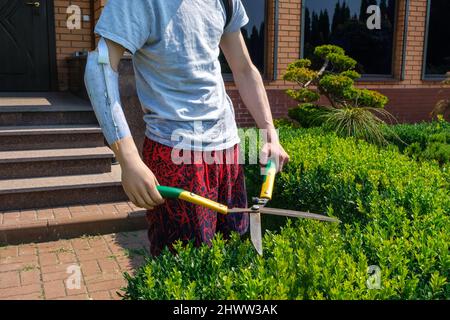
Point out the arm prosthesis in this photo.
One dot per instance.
(102, 84)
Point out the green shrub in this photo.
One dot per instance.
(394, 212)
(423, 141)
(352, 111)
(307, 115)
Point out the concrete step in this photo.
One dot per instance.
(61, 191)
(14, 138)
(54, 162)
(57, 108)
(34, 225)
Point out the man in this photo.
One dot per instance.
(175, 46)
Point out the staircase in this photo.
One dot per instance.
(52, 154)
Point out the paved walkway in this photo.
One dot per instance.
(48, 271)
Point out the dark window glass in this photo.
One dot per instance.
(438, 50)
(345, 23)
(253, 33)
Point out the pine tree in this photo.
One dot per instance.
(336, 17)
(363, 10)
(307, 28)
(315, 32)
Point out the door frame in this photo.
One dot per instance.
(51, 35)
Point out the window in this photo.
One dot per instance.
(364, 28)
(437, 61)
(253, 33)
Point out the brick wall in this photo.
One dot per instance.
(402, 102)
(69, 41)
(411, 99)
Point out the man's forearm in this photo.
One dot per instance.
(102, 84)
(254, 95)
(126, 151)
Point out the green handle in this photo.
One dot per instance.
(169, 192)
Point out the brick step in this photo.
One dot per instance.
(54, 162)
(35, 225)
(47, 118)
(15, 138)
(63, 190)
(57, 108)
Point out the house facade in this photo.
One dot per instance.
(403, 49)
(52, 151)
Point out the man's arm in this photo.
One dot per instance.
(101, 81)
(251, 88)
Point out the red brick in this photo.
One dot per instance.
(54, 289)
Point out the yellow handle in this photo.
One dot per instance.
(196, 199)
(269, 180)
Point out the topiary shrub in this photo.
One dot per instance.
(352, 111)
(395, 216)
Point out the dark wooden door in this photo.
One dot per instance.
(24, 46)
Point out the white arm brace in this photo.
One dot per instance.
(102, 84)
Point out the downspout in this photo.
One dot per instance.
(425, 44)
(405, 40)
(302, 32)
(92, 24)
(275, 45)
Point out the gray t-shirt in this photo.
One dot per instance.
(175, 47)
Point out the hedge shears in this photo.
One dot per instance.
(258, 207)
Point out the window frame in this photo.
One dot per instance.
(425, 76)
(228, 76)
(367, 76)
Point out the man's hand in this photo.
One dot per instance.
(274, 150)
(138, 181)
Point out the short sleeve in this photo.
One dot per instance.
(125, 22)
(238, 19)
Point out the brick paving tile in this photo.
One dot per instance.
(30, 276)
(28, 215)
(75, 292)
(40, 271)
(26, 250)
(61, 275)
(18, 291)
(9, 252)
(77, 209)
(108, 209)
(46, 214)
(115, 284)
(80, 243)
(100, 295)
(30, 296)
(9, 279)
(67, 257)
(62, 267)
(89, 268)
(82, 296)
(54, 289)
(62, 213)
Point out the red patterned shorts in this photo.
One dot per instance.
(179, 220)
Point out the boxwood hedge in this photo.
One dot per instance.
(395, 214)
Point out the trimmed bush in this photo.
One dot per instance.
(395, 216)
(424, 141)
